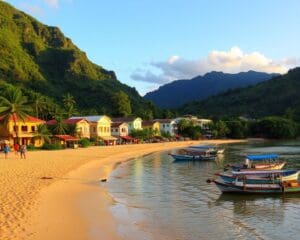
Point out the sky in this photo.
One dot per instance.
(149, 43)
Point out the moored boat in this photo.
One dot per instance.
(267, 162)
(213, 150)
(244, 188)
(260, 177)
(182, 157)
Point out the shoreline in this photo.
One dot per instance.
(73, 204)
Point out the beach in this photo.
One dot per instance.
(58, 194)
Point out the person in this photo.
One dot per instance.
(16, 148)
(23, 150)
(6, 150)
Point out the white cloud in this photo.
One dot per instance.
(232, 61)
(52, 3)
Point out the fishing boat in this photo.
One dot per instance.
(260, 177)
(245, 188)
(213, 150)
(267, 162)
(187, 157)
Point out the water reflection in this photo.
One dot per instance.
(178, 203)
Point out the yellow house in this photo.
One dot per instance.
(154, 125)
(82, 127)
(100, 128)
(26, 130)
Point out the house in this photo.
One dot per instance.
(66, 140)
(119, 129)
(168, 126)
(25, 130)
(82, 126)
(203, 123)
(134, 123)
(153, 125)
(100, 128)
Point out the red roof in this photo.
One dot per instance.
(116, 124)
(127, 137)
(66, 137)
(67, 121)
(28, 118)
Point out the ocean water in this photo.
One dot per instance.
(157, 198)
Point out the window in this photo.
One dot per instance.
(32, 129)
(94, 129)
(100, 129)
(24, 128)
(16, 128)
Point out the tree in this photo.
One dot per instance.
(69, 104)
(60, 127)
(122, 104)
(13, 105)
(42, 132)
(38, 103)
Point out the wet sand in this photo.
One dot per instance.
(58, 194)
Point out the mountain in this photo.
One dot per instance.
(179, 92)
(278, 96)
(40, 58)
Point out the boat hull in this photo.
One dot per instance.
(273, 166)
(256, 188)
(192, 158)
(260, 180)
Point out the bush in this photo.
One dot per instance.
(84, 142)
(54, 146)
(31, 147)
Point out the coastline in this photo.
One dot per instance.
(70, 202)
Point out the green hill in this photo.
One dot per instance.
(278, 96)
(40, 58)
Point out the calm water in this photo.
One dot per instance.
(157, 198)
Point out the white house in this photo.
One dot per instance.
(167, 126)
(134, 123)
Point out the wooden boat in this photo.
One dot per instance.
(260, 177)
(244, 188)
(181, 157)
(268, 162)
(213, 150)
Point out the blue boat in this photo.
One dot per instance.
(260, 177)
(181, 157)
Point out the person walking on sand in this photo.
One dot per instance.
(23, 150)
(16, 148)
(6, 150)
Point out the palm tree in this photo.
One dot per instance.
(69, 104)
(13, 105)
(60, 127)
(43, 132)
(38, 102)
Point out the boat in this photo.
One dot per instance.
(260, 177)
(267, 162)
(244, 188)
(213, 150)
(188, 157)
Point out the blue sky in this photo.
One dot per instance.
(152, 42)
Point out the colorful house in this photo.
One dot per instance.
(25, 130)
(134, 123)
(82, 126)
(168, 126)
(153, 125)
(119, 129)
(100, 128)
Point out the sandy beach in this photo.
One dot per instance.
(58, 194)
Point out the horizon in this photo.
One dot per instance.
(151, 48)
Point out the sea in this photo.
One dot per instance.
(158, 198)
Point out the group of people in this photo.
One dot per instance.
(17, 149)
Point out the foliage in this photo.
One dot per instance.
(84, 142)
(187, 128)
(143, 134)
(13, 103)
(237, 129)
(31, 147)
(121, 103)
(43, 132)
(40, 59)
(219, 129)
(52, 146)
(276, 127)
